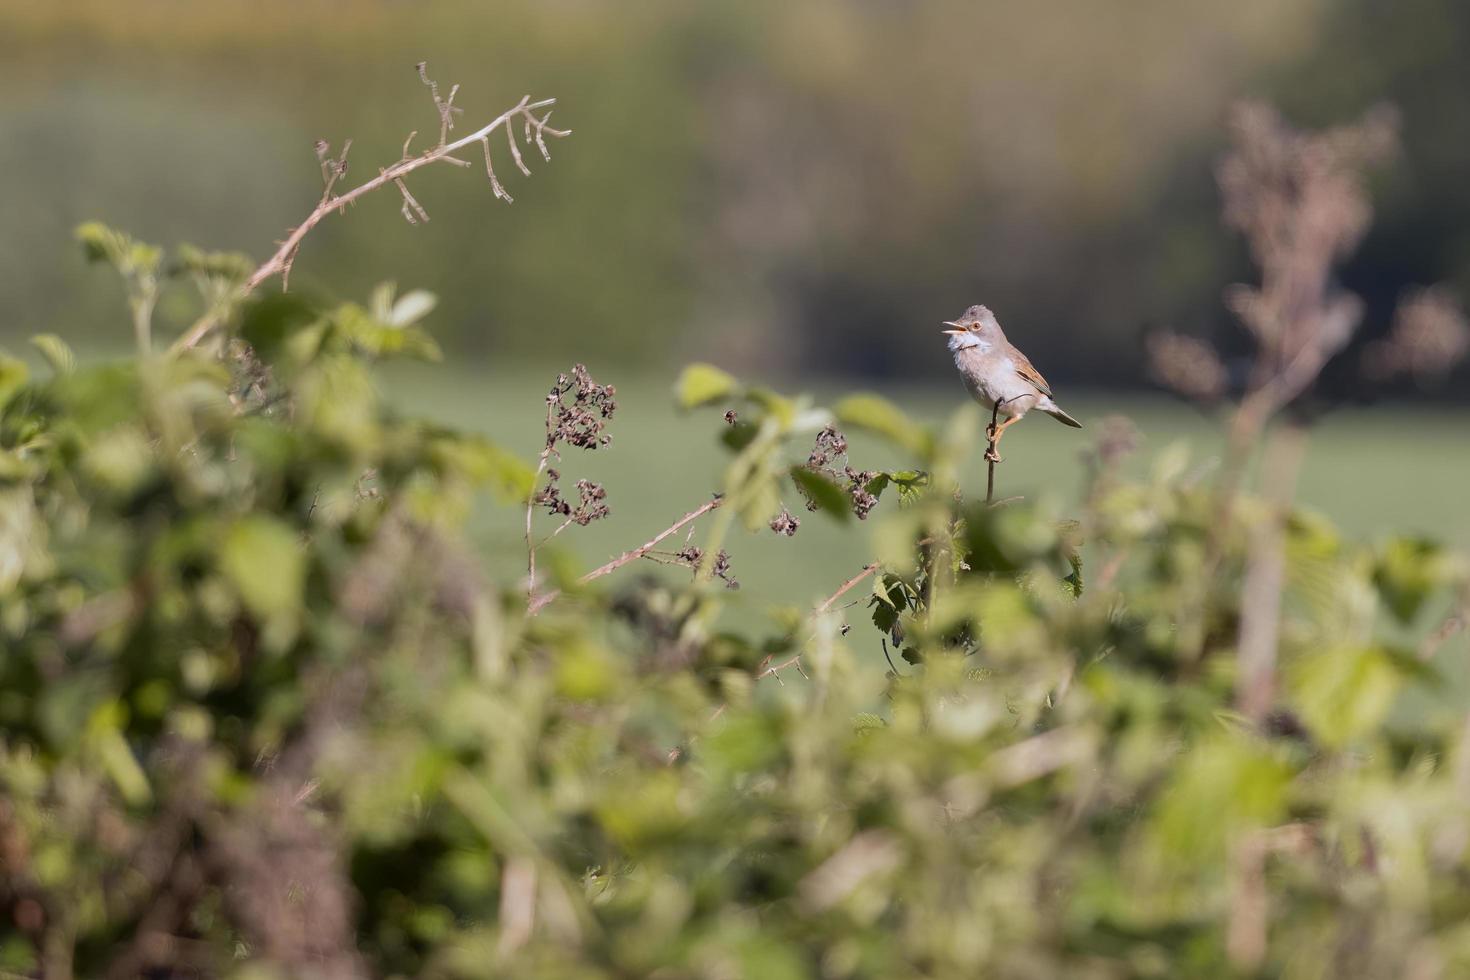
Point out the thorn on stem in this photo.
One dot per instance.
(500, 192)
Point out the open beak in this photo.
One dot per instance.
(956, 328)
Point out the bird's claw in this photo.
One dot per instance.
(992, 455)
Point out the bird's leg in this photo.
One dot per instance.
(994, 432)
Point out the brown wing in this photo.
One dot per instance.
(1025, 369)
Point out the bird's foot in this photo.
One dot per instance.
(992, 455)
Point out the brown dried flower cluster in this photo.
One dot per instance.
(830, 450)
(692, 555)
(785, 524)
(1430, 336)
(591, 505)
(579, 410)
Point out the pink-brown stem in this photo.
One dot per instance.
(537, 603)
(826, 604)
(280, 262)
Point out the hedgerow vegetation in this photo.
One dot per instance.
(261, 713)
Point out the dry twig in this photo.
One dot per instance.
(333, 169)
(539, 602)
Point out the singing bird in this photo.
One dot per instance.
(997, 374)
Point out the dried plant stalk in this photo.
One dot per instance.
(334, 169)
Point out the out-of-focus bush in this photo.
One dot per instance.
(259, 714)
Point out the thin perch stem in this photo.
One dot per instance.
(990, 453)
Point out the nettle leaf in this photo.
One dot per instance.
(881, 417)
(910, 484)
(58, 355)
(703, 384)
(890, 599)
(262, 558)
(820, 490)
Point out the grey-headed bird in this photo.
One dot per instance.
(997, 374)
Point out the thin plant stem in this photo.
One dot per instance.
(537, 603)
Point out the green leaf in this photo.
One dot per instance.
(100, 243)
(881, 417)
(828, 496)
(1407, 572)
(484, 462)
(267, 323)
(1343, 694)
(58, 355)
(228, 267)
(103, 244)
(13, 377)
(411, 308)
(264, 561)
(703, 384)
(910, 484)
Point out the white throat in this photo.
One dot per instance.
(967, 341)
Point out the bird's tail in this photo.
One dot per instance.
(1055, 412)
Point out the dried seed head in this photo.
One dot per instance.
(784, 524)
(580, 410)
(1187, 366)
(1430, 336)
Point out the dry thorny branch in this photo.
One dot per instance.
(532, 116)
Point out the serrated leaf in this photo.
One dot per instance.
(703, 384)
(58, 355)
(828, 496)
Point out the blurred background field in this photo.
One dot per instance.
(802, 188)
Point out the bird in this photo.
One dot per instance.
(998, 375)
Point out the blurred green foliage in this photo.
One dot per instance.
(261, 714)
